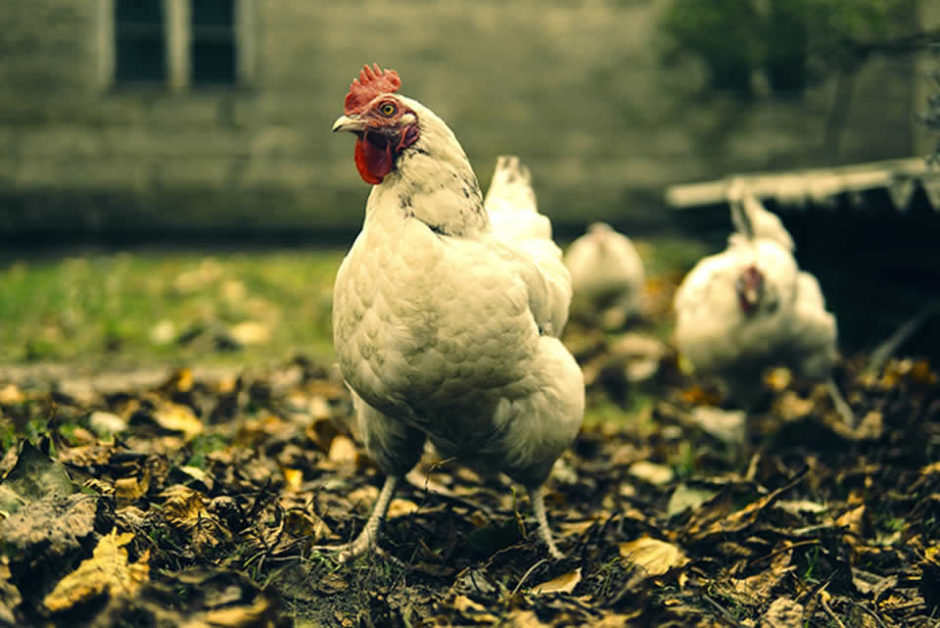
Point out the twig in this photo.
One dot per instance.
(526, 575)
(721, 609)
(830, 612)
(781, 550)
(872, 613)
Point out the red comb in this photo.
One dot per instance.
(371, 82)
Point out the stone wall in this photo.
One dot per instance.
(575, 88)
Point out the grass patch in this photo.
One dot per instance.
(159, 307)
(109, 311)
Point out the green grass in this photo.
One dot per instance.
(114, 308)
(110, 311)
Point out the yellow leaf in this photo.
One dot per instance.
(655, 556)
(401, 508)
(564, 583)
(178, 418)
(343, 451)
(294, 478)
(651, 472)
(251, 333)
(107, 571)
(129, 490)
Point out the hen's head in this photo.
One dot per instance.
(750, 289)
(384, 124)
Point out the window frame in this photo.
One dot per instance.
(177, 48)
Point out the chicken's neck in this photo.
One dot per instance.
(434, 183)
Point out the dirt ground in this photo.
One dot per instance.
(196, 501)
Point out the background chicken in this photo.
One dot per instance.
(446, 315)
(751, 307)
(606, 273)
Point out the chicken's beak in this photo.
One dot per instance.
(349, 123)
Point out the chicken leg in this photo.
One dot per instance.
(842, 406)
(545, 532)
(368, 538)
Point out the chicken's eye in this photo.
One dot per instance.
(388, 110)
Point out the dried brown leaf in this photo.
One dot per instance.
(651, 472)
(175, 417)
(564, 583)
(107, 571)
(343, 451)
(655, 556)
(783, 613)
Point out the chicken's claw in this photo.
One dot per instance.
(367, 541)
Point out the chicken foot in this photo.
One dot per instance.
(545, 532)
(367, 541)
(842, 406)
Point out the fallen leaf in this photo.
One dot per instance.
(185, 509)
(651, 472)
(301, 524)
(778, 379)
(783, 613)
(853, 521)
(58, 525)
(34, 476)
(107, 571)
(686, 497)
(104, 423)
(11, 395)
(293, 478)
(343, 451)
(130, 489)
(251, 333)
(655, 556)
(401, 508)
(175, 417)
(726, 425)
(163, 333)
(525, 619)
(791, 406)
(564, 583)
(796, 507)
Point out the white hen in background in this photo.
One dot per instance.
(606, 271)
(445, 318)
(750, 307)
(511, 206)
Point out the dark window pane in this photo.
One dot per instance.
(138, 12)
(139, 42)
(213, 12)
(213, 62)
(212, 54)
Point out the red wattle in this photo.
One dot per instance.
(372, 162)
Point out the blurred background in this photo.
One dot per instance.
(170, 189)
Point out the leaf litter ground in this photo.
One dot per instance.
(196, 500)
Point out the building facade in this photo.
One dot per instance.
(144, 119)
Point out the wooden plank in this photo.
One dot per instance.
(800, 187)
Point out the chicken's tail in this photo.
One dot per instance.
(511, 186)
(752, 220)
(515, 218)
(511, 203)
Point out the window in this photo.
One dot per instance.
(212, 49)
(139, 41)
(177, 44)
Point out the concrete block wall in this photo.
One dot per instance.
(575, 88)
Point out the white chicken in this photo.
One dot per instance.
(446, 316)
(606, 271)
(750, 307)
